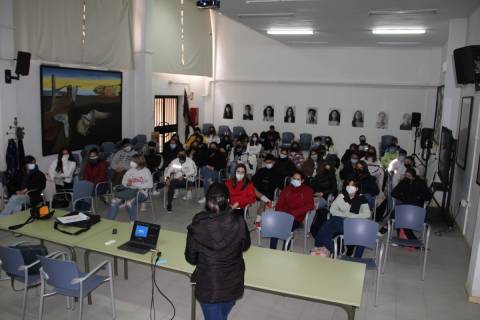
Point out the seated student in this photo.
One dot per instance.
(368, 184)
(209, 173)
(254, 147)
(62, 169)
(266, 181)
(180, 173)
(310, 166)
(226, 142)
(241, 189)
(199, 152)
(397, 168)
(137, 179)
(170, 151)
(284, 167)
(348, 204)
(390, 154)
(270, 139)
(195, 136)
(220, 268)
(235, 156)
(240, 155)
(348, 153)
(296, 154)
(96, 170)
(374, 166)
(154, 162)
(296, 199)
(362, 146)
(324, 184)
(348, 169)
(212, 136)
(33, 181)
(120, 162)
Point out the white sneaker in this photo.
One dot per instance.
(156, 192)
(176, 193)
(188, 196)
(143, 206)
(202, 200)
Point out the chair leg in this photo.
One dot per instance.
(24, 303)
(42, 292)
(80, 306)
(113, 298)
(425, 253)
(151, 205)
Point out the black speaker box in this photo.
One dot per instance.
(23, 63)
(427, 138)
(416, 118)
(467, 63)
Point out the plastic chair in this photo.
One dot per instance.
(237, 132)
(13, 264)
(413, 218)
(149, 200)
(65, 279)
(82, 191)
(224, 129)
(307, 223)
(139, 139)
(305, 141)
(276, 224)
(361, 232)
(287, 139)
(206, 127)
(108, 147)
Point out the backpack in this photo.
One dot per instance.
(321, 216)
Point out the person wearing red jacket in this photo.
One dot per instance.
(295, 199)
(241, 189)
(95, 170)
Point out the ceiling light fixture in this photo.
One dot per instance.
(274, 15)
(383, 12)
(398, 31)
(288, 32)
(398, 43)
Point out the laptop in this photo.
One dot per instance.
(144, 238)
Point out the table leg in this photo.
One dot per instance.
(86, 259)
(125, 269)
(194, 303)
(73, 254)
(350, 312)
(115, 266)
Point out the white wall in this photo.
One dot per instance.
(254, 69)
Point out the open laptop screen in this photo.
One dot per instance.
(145, 233)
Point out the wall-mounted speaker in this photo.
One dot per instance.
(416, 118)
(467, 63)
(23, 63)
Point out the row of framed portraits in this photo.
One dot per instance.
(334, 116)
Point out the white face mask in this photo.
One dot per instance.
(127, 148)
(283, 156)
(133, 165)
(269, 165)
(370, 159)
(314, 157)
(31, 166)
(296, 183)
(353, 161)
(65, 157)
(351, 189)
(239, 176)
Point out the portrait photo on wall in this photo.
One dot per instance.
(312, 115)
(382, 120)
(269, 113)
(357, 121)
(334, 117)
(406, 122)
(228, 111)
(464, 131)
(438, 115)
(79, 107)
(248, 112)
(289, 114)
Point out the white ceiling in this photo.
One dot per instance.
(347, 22)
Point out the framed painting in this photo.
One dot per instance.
(464, 131)
(79, 107)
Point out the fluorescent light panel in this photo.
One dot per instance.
(398, 43)
(388, 12)
(308, 42)
(398, 31)
(273, 14)
(288, 32)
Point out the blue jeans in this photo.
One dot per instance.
(208, 177)
(217, 311)
(131, 207)
(329, 229)
(370, 200)
(14, 204)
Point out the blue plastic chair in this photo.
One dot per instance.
(224, 129)
(65, 279)
(413, 218)
(237, 132)
(276, 224)
(108, 147)
(13, 264)
(361, 232)
(139, 138)
(287, 139)
(305, 141)
(206, 128)
(82, 191)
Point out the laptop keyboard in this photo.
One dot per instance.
(134, 247)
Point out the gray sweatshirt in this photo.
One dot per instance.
(121, 159)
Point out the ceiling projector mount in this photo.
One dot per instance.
(208, 4)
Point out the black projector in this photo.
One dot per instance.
(208, 4)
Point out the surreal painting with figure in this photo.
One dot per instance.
(79, 107)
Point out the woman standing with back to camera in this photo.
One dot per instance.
(216, 240)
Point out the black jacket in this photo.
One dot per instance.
(413, 192)
(34, 180)
(169, 154)
(368, 183)
(200, 155)
(284, 168)
(325, 183)
(266, 181)
(347, 171)
(215, 245)
(217, 160)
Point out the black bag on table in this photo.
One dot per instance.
(61, 201)
(30, 253)
(319, 219)
(83, 226)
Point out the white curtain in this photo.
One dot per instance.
(52, 31)
(167, 41)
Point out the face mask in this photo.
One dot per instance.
(182, 159)
(370, 159)
(363, 140)
(314, 157)
(283, 156)
(351, 189)
(133, 165)
(128, 148)
(239, 176)
(296, 183)
(93, 160)
(254, 139)
(269, 165)
(31, 166)
(65, 157)
(401, 158)
(173, 145)
(353, 161)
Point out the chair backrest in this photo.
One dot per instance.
(11, 259)
(88, 147)
(276, 224)
(360, 232)
(82, 189)
(305, 140)
(108, 146)
(237, 131)
(287, 137)
(385, 141)
(139, 139)
(206, 127)
(60, 273)
(223, 129)
(78, 158)
(410, 217)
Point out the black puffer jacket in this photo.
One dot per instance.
(325, 183)
(215, 243)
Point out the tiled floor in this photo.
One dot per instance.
(403, 296)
